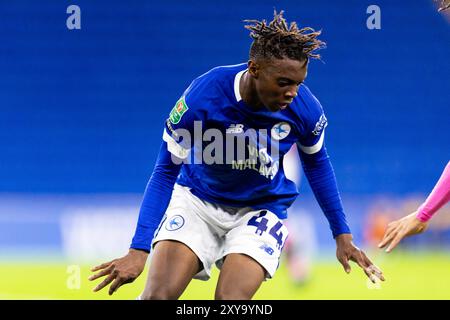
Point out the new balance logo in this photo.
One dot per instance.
(267, 249)
(235, 128)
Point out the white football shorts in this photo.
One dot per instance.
(213, 231)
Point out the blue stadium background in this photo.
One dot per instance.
(81, 111)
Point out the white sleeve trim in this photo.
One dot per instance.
(237, 81)
(315, 148)
(174, 148)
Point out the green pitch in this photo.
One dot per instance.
(409, 276)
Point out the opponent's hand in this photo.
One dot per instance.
(120, 271)
(401, 228)
(346, 251)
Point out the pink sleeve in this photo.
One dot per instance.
(437, 198)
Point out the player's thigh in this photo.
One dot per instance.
(184, 223)
(240, 277)
(172, 267)
(252, 250)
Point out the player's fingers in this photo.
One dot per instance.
(102, 273)
(365, 265)
(105, 282)
(389, 230)
(360, 261)
(345, 264)
(102, 266)
(391, 226)
(387, 233)
(388, 238)
(377, 272)
(373, 269)
(369, 274)
(118, 282)
(383, 242)
(115, 285)
(359, 258)
(395, 241)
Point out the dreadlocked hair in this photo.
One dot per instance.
(445, 5)
(280, 40)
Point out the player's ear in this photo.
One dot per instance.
(253, 69)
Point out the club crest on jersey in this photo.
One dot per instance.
(175, 223)
(178, 111)
(320, 125)
(280, 131)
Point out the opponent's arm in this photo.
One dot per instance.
(416, 222)
(437, 198)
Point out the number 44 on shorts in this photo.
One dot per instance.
(261, 224)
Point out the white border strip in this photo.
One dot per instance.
(174, 148)
(315, 148)
(237, 81)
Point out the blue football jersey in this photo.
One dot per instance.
(212, 113)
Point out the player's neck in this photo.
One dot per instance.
(248, 92)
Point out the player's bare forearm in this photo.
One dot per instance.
(120, 271)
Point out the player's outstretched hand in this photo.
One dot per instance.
(401, 228)
(346, 251)
(120, 271)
